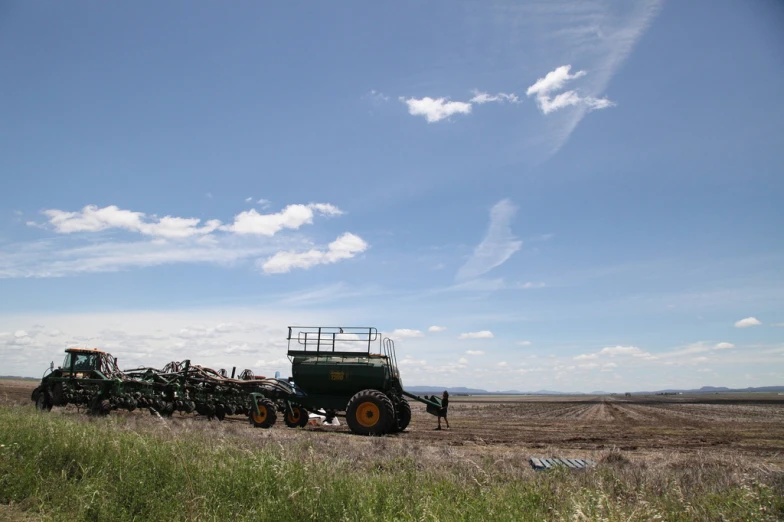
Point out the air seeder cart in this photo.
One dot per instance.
(348, 370)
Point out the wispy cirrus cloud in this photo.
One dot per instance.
(496, 247)
(598, 35)
(481, 98)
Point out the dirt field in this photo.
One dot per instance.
(750, 426)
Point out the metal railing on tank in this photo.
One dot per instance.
(328, 340)
(389, 351)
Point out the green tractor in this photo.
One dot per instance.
(342, 370)
(87, 378)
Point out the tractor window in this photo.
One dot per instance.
(84, 362)
(67, 362)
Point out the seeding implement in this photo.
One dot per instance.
(341, 371)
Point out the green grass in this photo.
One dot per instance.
(64, 467)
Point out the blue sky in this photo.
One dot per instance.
(564, 195)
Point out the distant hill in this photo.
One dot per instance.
(721, 389)
(438, 390)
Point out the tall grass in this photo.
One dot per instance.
(59, 467)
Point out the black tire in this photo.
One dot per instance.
(303, 421)
(43, 402)
(403, 414)
(296, 418)
(267, 415)
(370, 412)
(100, 407)
(58, 394)
(220, 412)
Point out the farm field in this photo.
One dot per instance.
(663, 450)
(748, 424)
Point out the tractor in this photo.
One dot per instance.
(86, 377)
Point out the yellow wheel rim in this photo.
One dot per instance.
(368, 414)
(294, 417)
(262, 416)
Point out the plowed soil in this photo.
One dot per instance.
(744, 424)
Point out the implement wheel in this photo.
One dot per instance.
(99, 407)
(403, 414)
(370, 412)
(266, 417)
(296, 418)
(43, 402)
(220, 412)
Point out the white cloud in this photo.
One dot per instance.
(263, 202)
(586, 356)
(435, 109)
(409, 361)
(462, 360)
(248, 199)
(503, 364)
(344, 247)
(94, 219)
(497, 246)
(724, 346)
(404, 333)
(747, 322)
(555, 81)
(436, 329)
(483, 97)
(483, 334)
(475, 352)
(524, 343)
(292, 217)
(175, 240)
(609, 366)
(624, 350)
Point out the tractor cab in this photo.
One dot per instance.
(81, 362)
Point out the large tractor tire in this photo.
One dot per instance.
(58, 394)
(266, 417)
(370, 412)
(296, 418)
(43, 402)
(403, 414)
